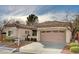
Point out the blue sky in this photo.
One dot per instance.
(58, 8)
(47, 11)
(41, 9)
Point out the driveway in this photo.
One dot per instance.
(52, 48)
(53, 45)
(35, 48)
(51, 51)
(6, 50)
(45, 51)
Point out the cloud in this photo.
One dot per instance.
(44, 13)
(18, 11)
(60, 16)
(23, 10)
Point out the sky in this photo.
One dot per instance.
(44, 12)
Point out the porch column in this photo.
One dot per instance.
(38, 35)
(68, 36)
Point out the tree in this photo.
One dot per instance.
(2, 26)
(32, 19)
(77, 22)
(73, 24)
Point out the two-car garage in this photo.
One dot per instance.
(55, 38)
(54, 34)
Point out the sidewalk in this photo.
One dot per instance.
(6, 50)
(51, 51)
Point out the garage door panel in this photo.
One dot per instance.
(53, 38)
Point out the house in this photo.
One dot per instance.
(53, 33)
(50, 33)
(19, 31)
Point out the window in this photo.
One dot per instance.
(9, 33)
(27, 32)
(34, 32)
(33, 39)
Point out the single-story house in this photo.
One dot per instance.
(54, 33)
(50, 33)
(19, 31)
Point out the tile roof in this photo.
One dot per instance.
(18, 25)
(44, 24)
(53, 24)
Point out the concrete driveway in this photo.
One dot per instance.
(35, 48)
(45, 51)
(53, 45)
(51, 51)
(6, 50)
(52, 48)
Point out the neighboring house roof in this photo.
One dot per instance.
(53, 24)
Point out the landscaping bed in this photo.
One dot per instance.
(66, 50)
(13, 45)
(71, 48)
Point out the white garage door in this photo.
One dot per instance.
(54, 39)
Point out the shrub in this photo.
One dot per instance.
(9, 39)
(74, 49)
(73, 44)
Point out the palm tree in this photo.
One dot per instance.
(32, 19)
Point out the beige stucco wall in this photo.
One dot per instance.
(51, 28)
(21, 33)
(13, 29)
(68, 36)
(38, 35)
(17, 32)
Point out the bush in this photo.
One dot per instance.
(67, 47)
(74, 49)
(73, 44)
(9, 39)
